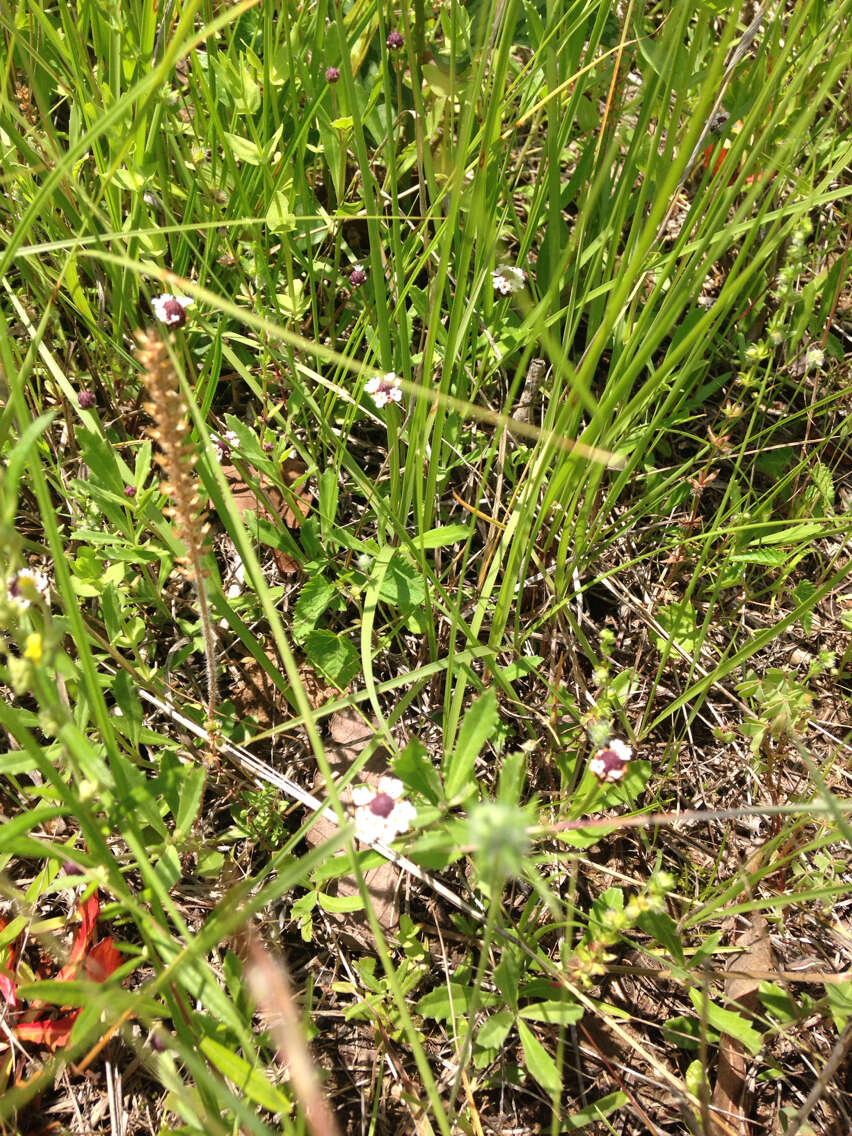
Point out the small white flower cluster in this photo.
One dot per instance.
(384, 389)
(171, 310)
(25, 586)
(225, 443)
(381, 814)
(507, 279)
(610, 762)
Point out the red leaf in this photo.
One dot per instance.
(102, 960)
(8, 989)
(89, 912)
(8, 986)
(54, 1034)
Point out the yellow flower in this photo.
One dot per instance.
(34, 648)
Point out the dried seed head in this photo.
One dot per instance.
(175, 455)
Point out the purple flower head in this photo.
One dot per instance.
(610, 763)
(86, 399)
(357, 277)
(395, 40)
(332, 74)
(171, 310)
(129, 491)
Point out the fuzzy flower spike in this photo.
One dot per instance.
(610, 763)
(381, 814)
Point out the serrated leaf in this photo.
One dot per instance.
(313, 599)
(335, 655)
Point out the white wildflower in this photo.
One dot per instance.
(610, 763)
(384, 389)
(26, 586)
(171, 310)
(381, 814)
(507, 279)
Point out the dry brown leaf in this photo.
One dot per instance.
(246, 499)
(729, 1094)
(252, 691)
(349, 735)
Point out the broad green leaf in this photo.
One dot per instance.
(415, 769)
(494, 1030)
(562, 1012)
(478, 725)
(729, 1022)
(539, 1063)
(313, 599)
(333, 654)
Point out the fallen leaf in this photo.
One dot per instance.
(246, 499)
(729, 1094)
(97, 963)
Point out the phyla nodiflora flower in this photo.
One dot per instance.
(610, 762)
(381, 814)
(507, 279)
(384, 389)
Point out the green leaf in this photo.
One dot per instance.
(595, 1111)
(679, 621)
(313, 599)
(279, 215)
(442, 537)
(246, 1078)
(244, 150)
(839, 996)
(340, 903)
(335, 655)
(191, 792)
(17, 460)
(403, 585)
(729, 1022)
(803, 591)
(558, 1012)
(479, 724)
(493, 1032)
(539, 1063)
(414, 768)
(507, 976)
(445, 1001)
